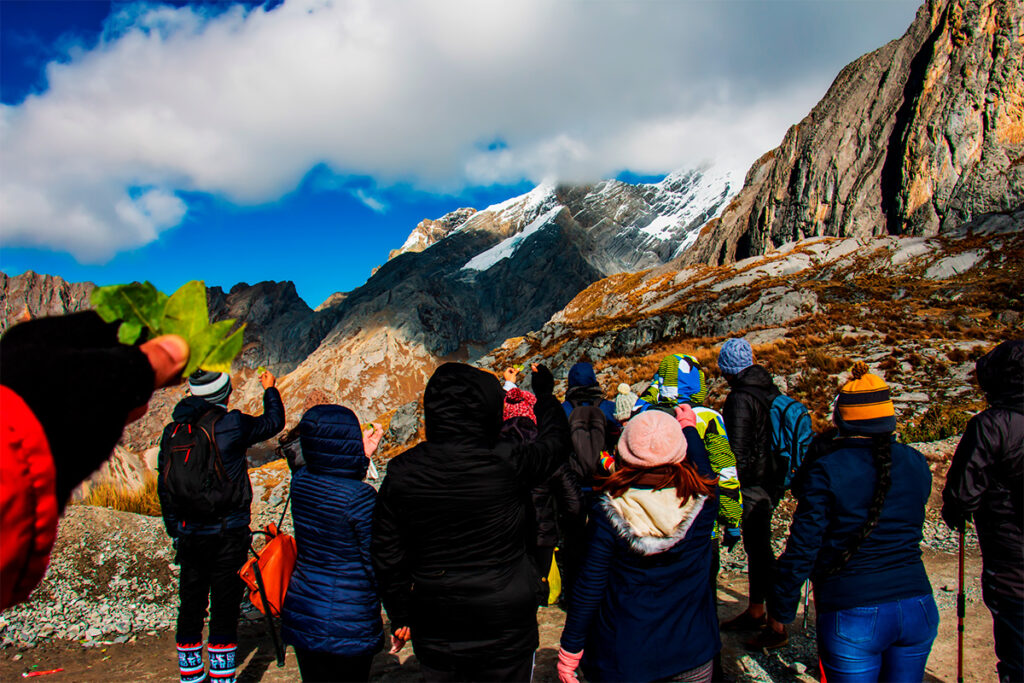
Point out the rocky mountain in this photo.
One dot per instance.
(921, 135)
(498, 272)
(31, 295)
(429, 231)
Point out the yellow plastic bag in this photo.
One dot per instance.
(554, 580)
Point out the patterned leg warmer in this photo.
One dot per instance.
(190, 663)
(222, 663)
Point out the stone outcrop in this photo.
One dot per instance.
(430, 231)
(31, 295)
(917, 137)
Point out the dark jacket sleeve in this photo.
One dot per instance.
(970, 471)
(590, 587)
(805, 536)
(257, 429)
(388, 550)
(566, 489)
(537, 461)
(740, 414)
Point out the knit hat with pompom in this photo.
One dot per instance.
(651, 439)
(864, 406)
(519, 403)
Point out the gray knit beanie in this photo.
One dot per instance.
(212, 387)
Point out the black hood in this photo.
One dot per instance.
(462, 404)
(1001, 375)
(191, 408)
(754, 379)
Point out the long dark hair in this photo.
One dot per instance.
(881, 453)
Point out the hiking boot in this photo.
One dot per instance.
(768, 639)
(744, 622)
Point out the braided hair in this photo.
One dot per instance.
(881, 453)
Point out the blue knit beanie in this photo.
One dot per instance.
(735, 356)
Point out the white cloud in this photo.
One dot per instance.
(370, 201)
(242, 104)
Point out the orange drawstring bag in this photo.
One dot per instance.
(272, 567)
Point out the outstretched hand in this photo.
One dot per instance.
(398, 639)
(167, 356)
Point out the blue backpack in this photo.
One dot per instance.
(791, 435)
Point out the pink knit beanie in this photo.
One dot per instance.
(652, 438)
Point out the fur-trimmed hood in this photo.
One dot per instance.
(650, 521)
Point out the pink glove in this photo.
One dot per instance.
(567, 664)
(371, 439)
(685, 416)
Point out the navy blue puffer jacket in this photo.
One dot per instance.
(332, 604)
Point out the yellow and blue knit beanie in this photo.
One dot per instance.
(864, 406)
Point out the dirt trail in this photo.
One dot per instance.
(153, 659)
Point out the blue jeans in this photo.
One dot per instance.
(887, 642)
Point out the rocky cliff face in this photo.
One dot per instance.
(281, 329)
(919, 136)
(31, 295)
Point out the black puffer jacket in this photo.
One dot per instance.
(450, 526)
(748, 427)
(986, 475)
(559, 498)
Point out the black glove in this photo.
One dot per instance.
(953, 518)
(543, 382)
(80, 383)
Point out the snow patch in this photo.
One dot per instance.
(508, 246)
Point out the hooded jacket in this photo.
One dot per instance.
(234, 433)
(451, 523)
(748, 424)
(332, 605)
(643, 608)
(986, 476)
(583, 389)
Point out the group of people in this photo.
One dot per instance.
(638, 492)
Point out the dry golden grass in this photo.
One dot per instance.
(142, 501)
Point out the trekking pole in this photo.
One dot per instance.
(807, 601)
(961, 612)
(268, 613)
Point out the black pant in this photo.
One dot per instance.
(757, 542)
(324, 667)
(209, 575)
(1008, 630)
(520, 671)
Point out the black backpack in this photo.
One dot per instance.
(587, 425)
(194, 482)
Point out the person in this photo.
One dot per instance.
(856, 534)
(211, 550)
(643, 609)
(56, 430)
(748, 423)
(558, 498)
(331, 613)
(594, 432)
(583, 389)
(986, 481)
(449, 526)
(625, 401)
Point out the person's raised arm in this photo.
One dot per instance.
(260, 428)
(538, 460)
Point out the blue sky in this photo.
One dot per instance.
(303, 140)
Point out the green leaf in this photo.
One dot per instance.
(139, 303)
(220, 356)
(260, 370)
(185, 313)
(129, 332)
(141, 306)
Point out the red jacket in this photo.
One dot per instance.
(28, 500)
